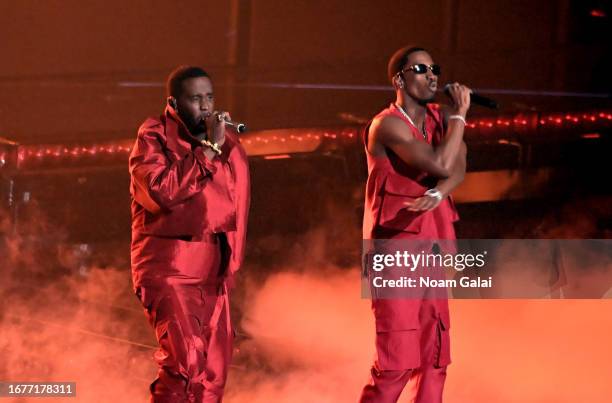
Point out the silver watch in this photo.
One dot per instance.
(434, 193)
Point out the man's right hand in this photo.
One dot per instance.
(209, 153)
(460, 95)
(215, 127)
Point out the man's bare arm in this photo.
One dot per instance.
(446, 186)
(392, 132)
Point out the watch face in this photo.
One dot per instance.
(434, 193)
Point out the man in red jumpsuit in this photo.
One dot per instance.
(416, 156)
(190, 200)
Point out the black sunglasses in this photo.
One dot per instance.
(422, 68)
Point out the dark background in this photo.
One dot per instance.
(72, 70)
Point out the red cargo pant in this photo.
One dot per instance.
(194, 334)
(188, 306)
(412, 344)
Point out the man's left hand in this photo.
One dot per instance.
(423, 203)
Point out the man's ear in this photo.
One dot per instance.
(172, 102)
(398, 81)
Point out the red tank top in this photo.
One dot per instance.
(391, 182)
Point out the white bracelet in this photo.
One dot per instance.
(435, 193)
(457, 117)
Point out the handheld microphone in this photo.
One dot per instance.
(240, 127)
(475, 98)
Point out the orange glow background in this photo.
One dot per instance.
(313, 336)
(76, 73)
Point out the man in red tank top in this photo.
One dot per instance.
(416, 157)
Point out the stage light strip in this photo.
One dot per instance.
(486, 126)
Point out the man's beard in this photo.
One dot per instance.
(194, 126)
(199, 127)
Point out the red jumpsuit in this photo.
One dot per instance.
(412, 340)
(189, 219)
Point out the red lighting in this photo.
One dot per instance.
(277, 157)
(598, 13)
(591, 120)
(591, 136)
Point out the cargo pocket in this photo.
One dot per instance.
(393, 212)
(397, 334)
(443, 357)
(398, 349)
